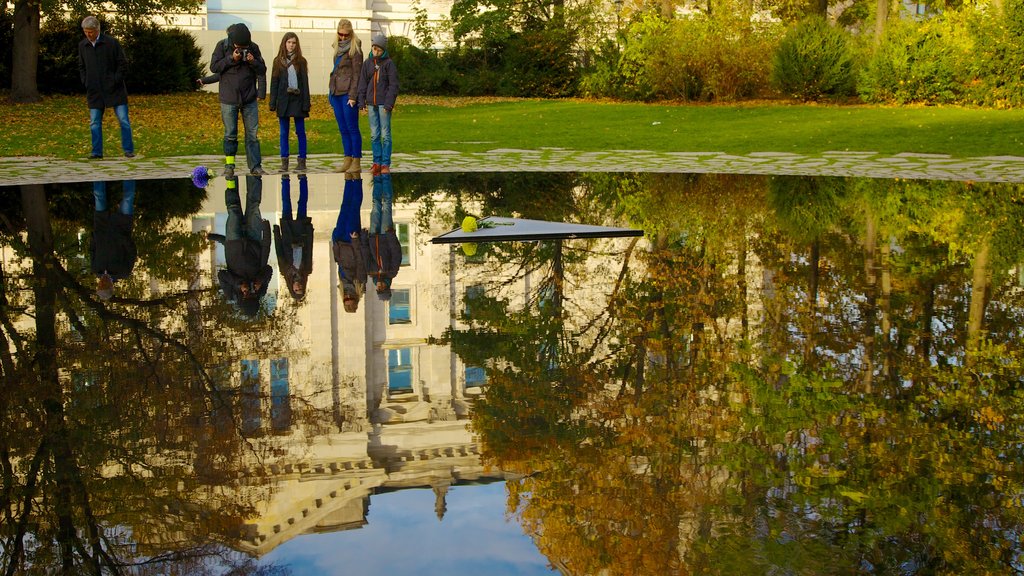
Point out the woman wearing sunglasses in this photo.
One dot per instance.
(344, 80)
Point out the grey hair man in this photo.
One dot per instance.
(102, 68)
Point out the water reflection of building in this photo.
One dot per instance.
(394, 405)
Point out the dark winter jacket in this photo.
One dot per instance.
(238, 80)
(103, 69)
(382, 253)
(345, 76)
(289, 105)
(350, 261)
(378, 82)
(261, 84)
(112, 249)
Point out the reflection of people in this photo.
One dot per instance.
(345, 244)
(293, 239)
(239, 63)
(102, 66)
(381, 248)
(378, 90)
(289, 96)
(342, 94)
(246, 242)
(112, 250)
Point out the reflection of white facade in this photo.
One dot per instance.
(394, 425)
(315, 21)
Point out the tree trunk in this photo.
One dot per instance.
(25, 52)
(881, 17)
(979, 297)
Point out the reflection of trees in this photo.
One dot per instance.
(119, 437)
(868, 423)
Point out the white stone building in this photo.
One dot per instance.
(315, 22)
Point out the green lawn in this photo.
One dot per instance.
(186, 124)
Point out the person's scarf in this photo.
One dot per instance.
(343, 48)
(293, 76)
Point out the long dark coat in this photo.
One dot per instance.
(102, 69)
(289, 105)
(112, 249)
(291, 232)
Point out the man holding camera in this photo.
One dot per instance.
(240, 65)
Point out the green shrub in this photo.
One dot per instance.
(698, 59)
(539, 63)
(159, 60)
(814, 60)
(925, 61)
(421, 71)
(998, 58)
(57, 71)
(473, 68)
(713, 59)
(162, 60)
(624, 73)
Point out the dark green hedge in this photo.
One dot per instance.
(160, 60)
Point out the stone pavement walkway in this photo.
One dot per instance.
(35, 170)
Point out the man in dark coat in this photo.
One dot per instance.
(246, 247)
(112, 251)
(240, 65)
(102, 67)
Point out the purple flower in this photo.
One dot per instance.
(200, 176)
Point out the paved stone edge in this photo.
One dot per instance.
(1010, 169)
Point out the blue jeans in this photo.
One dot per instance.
(348, 124)
(380, 215)
(380, 134)
(348, 216)
(100, 198)
(300, 134)
(96, 128)
(286, 197)
(250, 223)
(250, 119)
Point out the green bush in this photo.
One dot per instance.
(814, 60)
(624, 73)
(473, 68)
(57, 72)
(159, 60)
(998, 58)
(925, 61)
(693, 59)
(421, 71)
(714, 59)
(539, 63)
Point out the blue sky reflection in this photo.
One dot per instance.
(403, 536)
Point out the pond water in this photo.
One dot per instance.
(788, 375)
